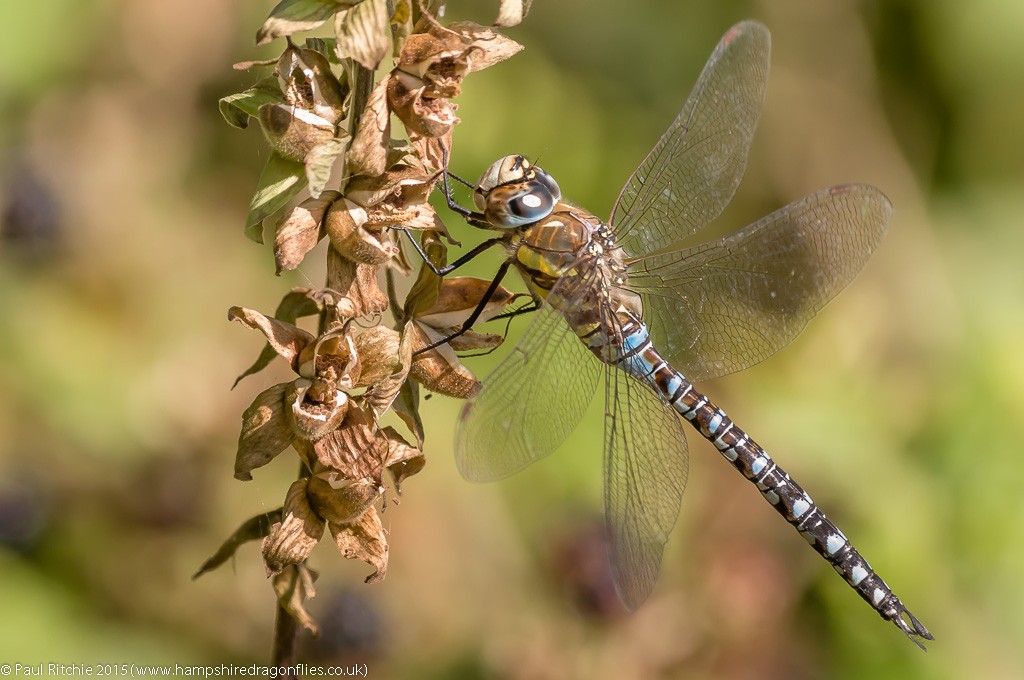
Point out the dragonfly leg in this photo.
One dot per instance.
(443, 271)
(488, 294)
(477, 219)
(531, 306)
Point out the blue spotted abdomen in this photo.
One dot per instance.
(636, 355)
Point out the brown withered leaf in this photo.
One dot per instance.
(363, 33)
(407, 406)
(458, 297)
(293, 586)
(432, 150)
(310, 419)
(439, 369)
(340, 500)
(364, 540)
(356, 449)
(256, 63)
(287, 339)
(358, 283)
(368, 191)
(404, 460)
(305, 452)
(293, 539)
(378, 348)
(400, 264)
(265, 432)
(368, 154)
(294, 16)
(491, 46)
(473, 341)
(402, 211)
(252, 529)
(382, 393)
(298, 303)
(299, 231)
(512, 12)
(425, 289)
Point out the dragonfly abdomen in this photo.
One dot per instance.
(638, 357)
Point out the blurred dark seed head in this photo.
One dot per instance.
(29, 211)
(25, 512)
(581, 568)
(351, 630)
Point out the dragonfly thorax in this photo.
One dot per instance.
(513, 193)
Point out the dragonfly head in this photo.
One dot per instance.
(514, 192)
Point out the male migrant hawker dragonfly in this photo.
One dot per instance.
(658, 316)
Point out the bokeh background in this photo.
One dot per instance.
(900, 408)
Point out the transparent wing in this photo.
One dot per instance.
(692, 172)
(530, 403)
(722, 306)
(646, 466)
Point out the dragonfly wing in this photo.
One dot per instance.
(742, 298)
(646, 466)
(692, 172)
(530, 403)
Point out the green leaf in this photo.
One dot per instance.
(319, 162)
(253, 529)
(237, 108)
(326, 47)
(280, 181)
(364, 33)
(293, 16)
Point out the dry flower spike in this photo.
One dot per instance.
(330, 130)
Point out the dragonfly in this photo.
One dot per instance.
(624, 299)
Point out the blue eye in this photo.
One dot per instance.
(532, 206)
(520, 203)
(549, 183)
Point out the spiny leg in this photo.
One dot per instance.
(488, 294)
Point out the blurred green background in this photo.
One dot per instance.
(900, 408)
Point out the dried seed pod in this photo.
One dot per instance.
(308, 82)
(312, 419)
(293, 132)
(346, 225)
(430, 116)
(340, 500)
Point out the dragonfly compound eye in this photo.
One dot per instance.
(516, 205)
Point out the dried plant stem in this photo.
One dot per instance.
(286, 630)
